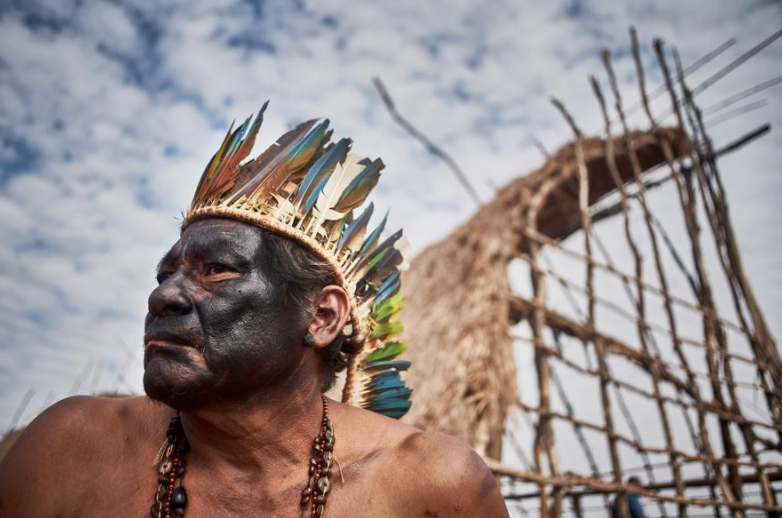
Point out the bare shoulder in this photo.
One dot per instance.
(449, 478)
(63, 443)
(434, 474)
(79, 421)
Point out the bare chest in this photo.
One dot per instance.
(129, 490)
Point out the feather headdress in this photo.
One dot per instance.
(307, 189)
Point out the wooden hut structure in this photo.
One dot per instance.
(510, 371)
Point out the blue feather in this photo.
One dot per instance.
(357, 225)
(315, 134)
(399, 365)
(323, 166)
(393, 408)
(313, 197)
(237, 137)
(390, 383)
(388, 289)
(391, 403)
(393, 393)
(385, 376)
(358, 189)
(372, 239)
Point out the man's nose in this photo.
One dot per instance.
(169, 298)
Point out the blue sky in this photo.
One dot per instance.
(109, 110)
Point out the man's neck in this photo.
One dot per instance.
(269, 436)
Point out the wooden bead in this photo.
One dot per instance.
(179, 498)
(324, 485)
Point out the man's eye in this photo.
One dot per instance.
(217, 268)
(219, 272)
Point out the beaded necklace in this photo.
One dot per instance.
(171, 496)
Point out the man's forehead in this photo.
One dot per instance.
(217, 235)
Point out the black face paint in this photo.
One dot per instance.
(217, 328)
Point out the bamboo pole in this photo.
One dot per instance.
(586, 224)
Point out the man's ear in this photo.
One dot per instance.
(332, 310)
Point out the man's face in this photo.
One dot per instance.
(216, 329)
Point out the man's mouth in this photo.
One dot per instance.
(160, 340)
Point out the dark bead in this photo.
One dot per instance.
(324, 485)
(162, 478)
(179, 511)
(173, 436)
(161, 491)
(320, 499)
(179, 498)
(153, 511)
(319, 511)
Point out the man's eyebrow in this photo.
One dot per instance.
(162, 261)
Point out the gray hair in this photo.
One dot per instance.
(298, 274)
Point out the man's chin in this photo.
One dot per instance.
(171, 383)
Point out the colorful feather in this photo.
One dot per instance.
(271, 169)
(388, 307)
(390, 351)
(343, 174)
(354, 233)
(241, 145)
(400, 365)
(208, 173)
(361, 266)
(392, 259)
(338, 227)
(358, 190)
(374, 237)
(320, 170)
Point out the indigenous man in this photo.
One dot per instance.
(272, 289)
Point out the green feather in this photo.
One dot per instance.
(389, 328)
(388, 352)
(388, 307)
